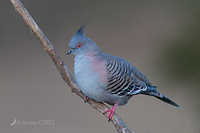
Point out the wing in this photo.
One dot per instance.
(122, 80)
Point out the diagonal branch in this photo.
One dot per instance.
(67, 77)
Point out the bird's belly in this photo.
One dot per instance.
(89, 86)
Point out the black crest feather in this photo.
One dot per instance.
(81, 29)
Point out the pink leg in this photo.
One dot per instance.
(111, 111)
(86, 98)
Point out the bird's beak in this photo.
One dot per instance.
(69, 52)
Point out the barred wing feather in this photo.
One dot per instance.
(122, 80)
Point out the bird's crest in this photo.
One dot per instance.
(80, 31)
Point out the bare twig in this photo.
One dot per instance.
(67, 77)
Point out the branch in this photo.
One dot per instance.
(64, 72)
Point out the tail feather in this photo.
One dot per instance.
(167, 100)
(153, 92)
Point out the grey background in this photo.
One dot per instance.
(161, 38)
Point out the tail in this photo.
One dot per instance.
(152, 91)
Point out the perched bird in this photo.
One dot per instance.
(107, 78)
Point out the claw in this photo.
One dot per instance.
(86, 98)
(111, 112)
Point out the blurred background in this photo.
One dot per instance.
(161, 38)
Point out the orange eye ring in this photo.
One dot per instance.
(78, 45)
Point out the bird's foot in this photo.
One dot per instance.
(111, 112)
(86, 98)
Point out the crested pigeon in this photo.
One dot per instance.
(107, 78)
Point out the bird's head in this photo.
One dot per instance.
(80, 44)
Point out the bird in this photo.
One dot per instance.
(107, 78)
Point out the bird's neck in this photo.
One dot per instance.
(94, 53)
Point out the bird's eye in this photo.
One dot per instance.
(79, 45)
